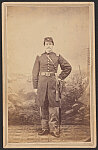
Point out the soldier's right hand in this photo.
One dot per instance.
(35, 91)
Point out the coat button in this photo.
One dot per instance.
(48, 69)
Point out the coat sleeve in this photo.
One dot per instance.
(35, 72)
(65, 67)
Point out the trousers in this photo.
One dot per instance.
(49, 116)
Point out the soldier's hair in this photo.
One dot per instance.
(50, 41)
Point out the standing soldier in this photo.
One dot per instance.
(44, 83)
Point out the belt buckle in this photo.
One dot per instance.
(48, 74)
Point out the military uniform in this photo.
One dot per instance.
(44, 80)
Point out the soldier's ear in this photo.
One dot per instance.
(53, 43)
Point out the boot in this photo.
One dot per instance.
(55, 134)
(43, 132)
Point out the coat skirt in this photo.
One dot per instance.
(47, 84)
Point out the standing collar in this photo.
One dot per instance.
(48, 53)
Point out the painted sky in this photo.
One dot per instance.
(27, 27)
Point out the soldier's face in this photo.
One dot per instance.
(48, 47)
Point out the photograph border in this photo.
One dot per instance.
(91, 144)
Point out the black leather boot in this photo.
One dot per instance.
(55, 134)
(43, 132)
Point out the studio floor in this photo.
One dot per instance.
(29, 134)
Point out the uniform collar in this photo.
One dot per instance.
(48, 53)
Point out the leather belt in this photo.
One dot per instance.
(47, 74)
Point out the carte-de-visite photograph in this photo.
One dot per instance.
(48, 64)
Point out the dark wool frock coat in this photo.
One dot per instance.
(47, 84)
